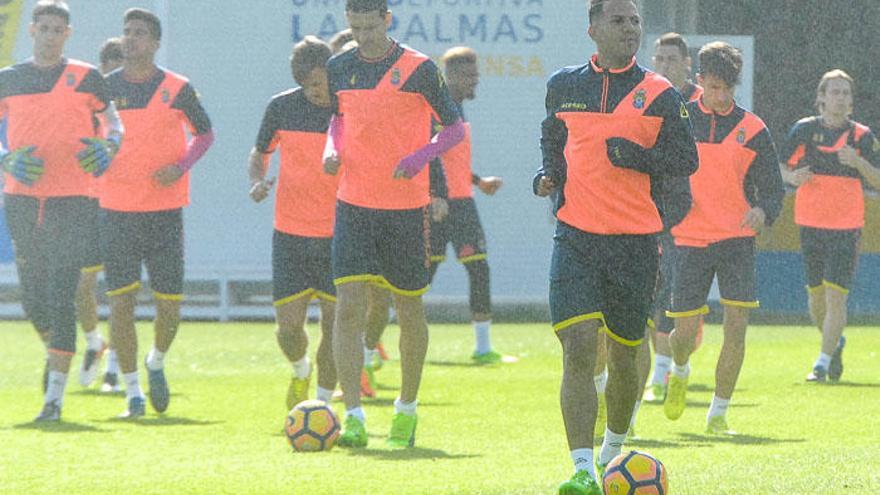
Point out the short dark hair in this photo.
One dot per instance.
(362, 6)
(721, 60)
(459, 55)
(111, 50)
(148, 17)
(50, 7)
(674, 39)
(340, 39)
(309, 54)
(595, 9)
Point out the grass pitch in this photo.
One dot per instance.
(493, 430)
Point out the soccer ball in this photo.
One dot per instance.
(311, 426)
(635, 473)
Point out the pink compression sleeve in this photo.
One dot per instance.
(441, 143)
(195, 149)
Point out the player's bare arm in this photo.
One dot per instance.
(850, 158)
(260, 185)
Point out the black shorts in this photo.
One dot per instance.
(733, 260)
(154, 239)
(606, 277)
(93, 257)
(49, 252)
(461, 227)
(301, 268)
(389, 248)
(830, 257)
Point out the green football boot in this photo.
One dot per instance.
(403, 431)
(580, 484)
(673, 407)
(298, 390)
(354, 433)
(655, 394)
(491, 357)
(717, 425)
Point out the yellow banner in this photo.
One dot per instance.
(10, 16)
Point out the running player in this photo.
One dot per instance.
(672, 61)
(383, 95)
(612, 127)
(49, 103)
(462, 226)
(295, 123)
(829, 158)
(737, 191)
(143, 200)
(86, 300)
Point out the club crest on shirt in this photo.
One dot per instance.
(683, 111)
(71, 79)
(741, 135)
(166, 96)
(639, 99)
(818, 138)
(353, 80)
(395, 76)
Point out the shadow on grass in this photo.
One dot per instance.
(93, 392)
(853, 385)
(389, 401)
(737, 439)
(60, 427)
(408, 454)
(163, 421)
(649, 443)
(459, 364)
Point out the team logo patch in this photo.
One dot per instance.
(353, 80)
(395, 76)
(166, 96)
(818, 138)
(741, 135)
(639, 99)
(71, 79)
(683, 111)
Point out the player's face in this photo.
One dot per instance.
(463, 79)
(618, 30)
(837, 100)
(50, 32)
(369, 29)
(669, 63)
(717, 95)
(138, 43)
(316, 88)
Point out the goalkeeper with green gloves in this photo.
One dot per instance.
(50, 103)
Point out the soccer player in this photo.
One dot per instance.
(736, 192)
(339, 41)
(383, 95)
(612, 129)
(672, 61)
(86, 301)
(462, 225)
(295, 123)
(828, 158)
(49, 103)
(143, 200)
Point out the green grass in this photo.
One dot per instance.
(481, 430)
